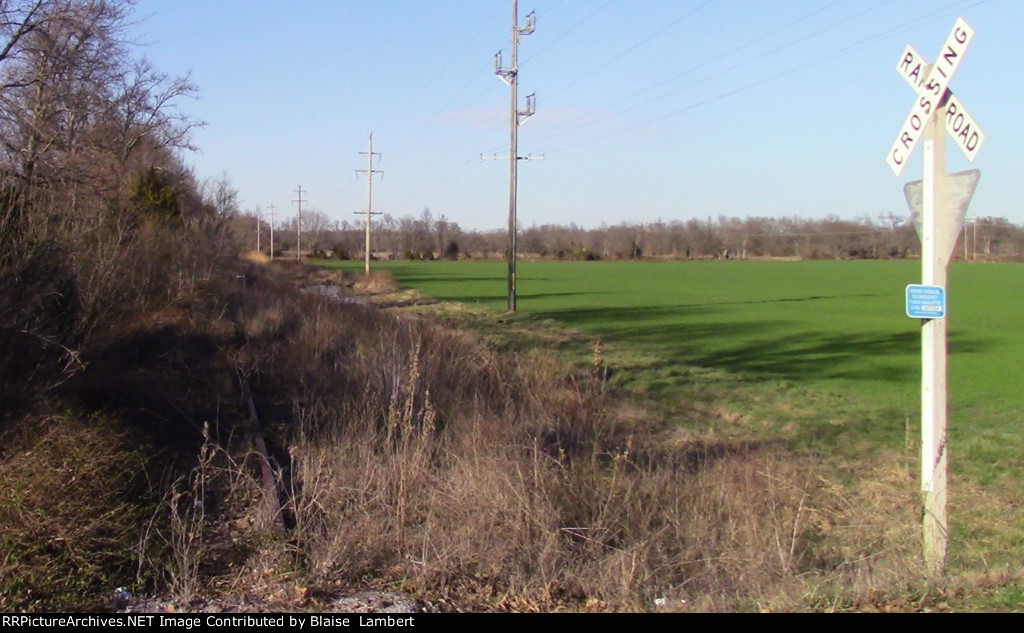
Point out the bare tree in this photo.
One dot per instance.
(219, 193)
(314, 223)
(98, 215)
(147, 107)
(89, 134)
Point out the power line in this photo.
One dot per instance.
(721, 72)
(820, 59)
(562, 35)
(629, 50)
(432, 80)
(691, 69)
(579, 125)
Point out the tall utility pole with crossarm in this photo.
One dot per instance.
(298, 226)
(369, 171)
(510, 76)
(259, 221)
(272, 208)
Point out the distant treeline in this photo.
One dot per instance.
(427, 237)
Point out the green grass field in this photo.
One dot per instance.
(821, 352)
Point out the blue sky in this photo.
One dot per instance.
(646, 109)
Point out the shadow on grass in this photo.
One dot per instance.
(701, 336)
(409, 279)
(498, 300)
(415, 275)
(538, 295)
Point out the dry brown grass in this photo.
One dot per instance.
(414, 456)
(418, 457)
(378, 281)
(73, 497)
(256, 257)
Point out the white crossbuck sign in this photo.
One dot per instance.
(941, 200)
(931, 81)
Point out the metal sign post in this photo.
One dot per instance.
(935, 108)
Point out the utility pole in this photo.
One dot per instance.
(272, 207)
(974, 251)
(966, 258)
(369, 171)
(259, 220)
(510, 76)
(298, 226)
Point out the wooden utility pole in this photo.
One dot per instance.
(272, 207)
(510, 76)
(974, 250)
(298, 226)
(259, 220)
(369, 171)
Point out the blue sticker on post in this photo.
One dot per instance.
(926, 302)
